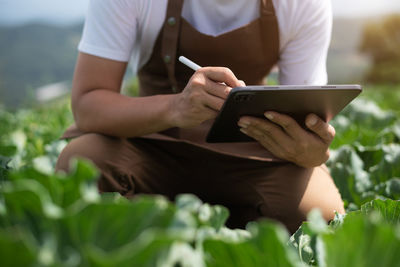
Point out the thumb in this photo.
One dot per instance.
(242, 83)
(323, 129)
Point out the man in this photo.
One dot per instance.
(155, 143)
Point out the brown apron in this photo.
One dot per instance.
(244, 177)
(249, 51)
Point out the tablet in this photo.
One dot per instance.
(295, 101)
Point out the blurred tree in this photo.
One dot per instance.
(381, 41)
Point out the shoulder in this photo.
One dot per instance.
(136, 15)
(297, 13)
(304, 34)
(298, 18)
(302, 7)
(124, 8)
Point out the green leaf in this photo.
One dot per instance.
(4, 168)
(317, 223)
(368, 113)
(389, 166)
(266, 247)
(214, 216)
(8, 150)
(63, 190)
(306, 239)
(365, 123)
(44, 165)
(388, 209)
(16, 248)
(337, 220)
(23, 197)
(362, 241)
(370, 155)
(206, 215)
(188, 202)
(301, 242)
(83, 170)
(347, 170)
(148, 250)
(109, 225)
(390, 188)
(182, 254)
(19, 139)
(396, 130)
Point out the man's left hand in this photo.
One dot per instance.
(286, 139)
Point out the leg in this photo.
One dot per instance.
(105, 152)
(252, 189)
(291, 192)
(321, 192)
(127, 166)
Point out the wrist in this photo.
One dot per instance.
(169, 112)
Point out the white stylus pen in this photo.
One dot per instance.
(189, 63)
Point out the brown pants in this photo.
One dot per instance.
(250, 189)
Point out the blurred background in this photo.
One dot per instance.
(39, 38)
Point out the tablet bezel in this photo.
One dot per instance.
(294, 100)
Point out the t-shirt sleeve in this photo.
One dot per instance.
(304, 54)
(110, 29)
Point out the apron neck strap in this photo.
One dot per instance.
(170, 37)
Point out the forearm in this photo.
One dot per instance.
(109, 112)
(99, 107)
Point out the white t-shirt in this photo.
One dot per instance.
(126, 30)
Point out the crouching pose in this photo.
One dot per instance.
(155, 143)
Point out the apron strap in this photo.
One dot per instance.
(170, 37)
(267, 8)
(269, 23)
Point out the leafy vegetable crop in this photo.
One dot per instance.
(49, 219)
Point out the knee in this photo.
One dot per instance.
(92, 147)
(307, 190)
(322, 193)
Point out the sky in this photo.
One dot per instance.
(69, 11)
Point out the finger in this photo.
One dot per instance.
(266, 142)
(221, 75)
(260, 137)
(217, 89)
(213, 102)
(228, 90)
(323, 129)
(288, 124)
(269, 129)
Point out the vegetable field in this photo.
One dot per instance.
(49, 219)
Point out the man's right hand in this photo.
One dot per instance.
(203, 96)
(99, 107)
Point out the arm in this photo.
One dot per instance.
(111, 33)
(305, 37)
(99, 107)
